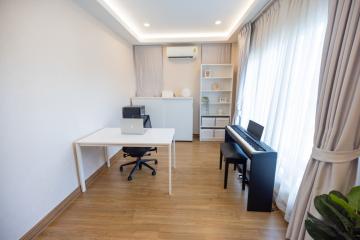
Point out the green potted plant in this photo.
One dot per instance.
(340, 216)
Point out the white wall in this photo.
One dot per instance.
(184, 73)
(62, 75)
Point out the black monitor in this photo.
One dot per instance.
(255, 130)
(133, 111)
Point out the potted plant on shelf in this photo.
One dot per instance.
(340, 216)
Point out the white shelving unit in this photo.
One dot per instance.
(216, 81)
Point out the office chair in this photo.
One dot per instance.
(139, 153)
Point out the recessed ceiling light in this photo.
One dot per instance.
(218, 22)
(146, 24)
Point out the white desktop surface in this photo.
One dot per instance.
(153, 137)
(113, 136)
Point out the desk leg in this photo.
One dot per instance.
(106, 156)
(174, 154)
(170, 186)
(80, 167)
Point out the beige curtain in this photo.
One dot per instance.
(148, 70)
(333, 162)
(216, 53)
(244, 38)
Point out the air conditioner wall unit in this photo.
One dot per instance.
(182, 52)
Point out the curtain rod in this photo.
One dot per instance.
(263, 10)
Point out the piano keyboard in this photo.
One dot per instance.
(249, 144)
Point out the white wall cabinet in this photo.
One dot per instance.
(176, 112)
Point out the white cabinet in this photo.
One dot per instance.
(176, 112)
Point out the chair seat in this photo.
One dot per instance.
(232, 151)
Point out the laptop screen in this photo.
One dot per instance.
(255, 130)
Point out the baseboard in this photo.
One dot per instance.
(53, 214)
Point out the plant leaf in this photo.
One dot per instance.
(331, 214)
(331, 231)
(319, 230)
(354, 198)
(339, 195)
(343, 204)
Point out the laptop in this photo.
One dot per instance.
(132, 126)
(255, 130)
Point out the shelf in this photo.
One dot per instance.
(215, 90)
(218, 64)
(213, 139)
(202, 127)
(222, 76)
(217, 78)
(214, 115)
(156, 98)
(218, 103)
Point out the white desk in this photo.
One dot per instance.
(153, 137)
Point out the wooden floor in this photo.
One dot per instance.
(199, 208)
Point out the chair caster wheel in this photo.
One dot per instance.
(153, 173)
(156, 162)
(121, 169)
(129, 178)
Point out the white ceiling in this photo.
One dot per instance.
(177, 20)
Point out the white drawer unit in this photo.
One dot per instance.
(212, 134)
(208, 122)
(207, 133)
(213, 128)
(222, 121)
(219, 133)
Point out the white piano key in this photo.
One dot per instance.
(247, 147)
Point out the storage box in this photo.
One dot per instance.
(219, 133)
(207, 122)
(222, 122)
(207, 133)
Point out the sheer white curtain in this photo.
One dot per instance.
(280, 89)
(244, 39)
(148, 70)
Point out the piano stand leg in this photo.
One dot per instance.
(221, 157)
(226, 174)
(244, 179)
(242, 175)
